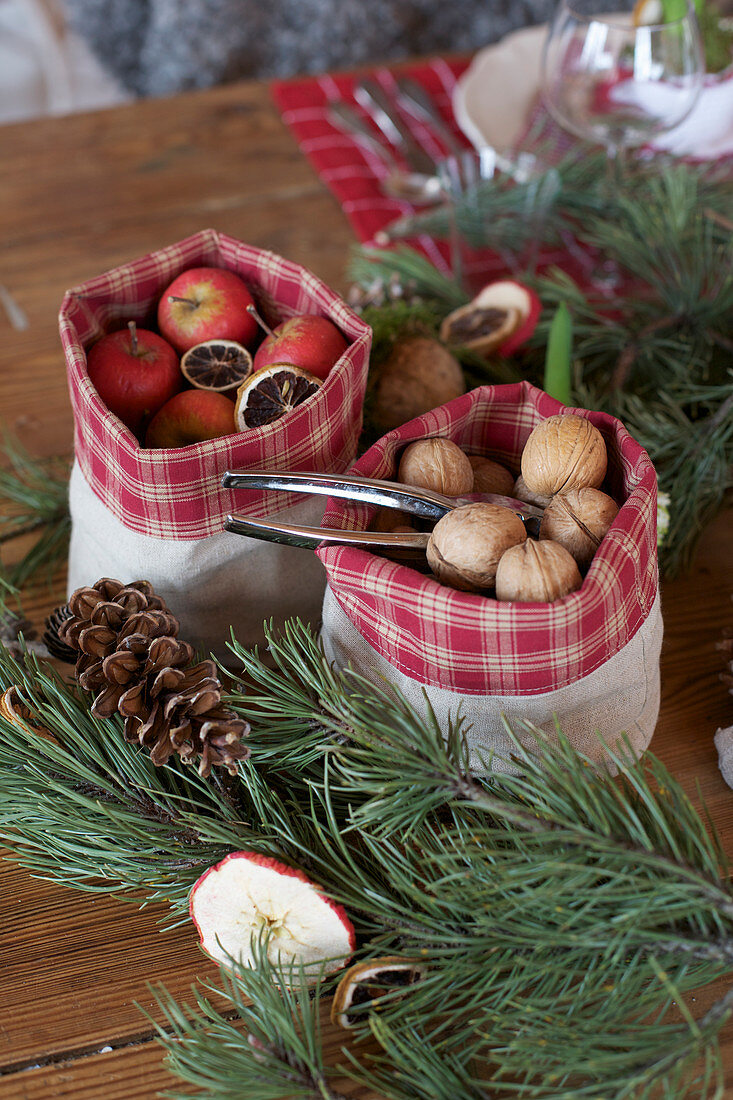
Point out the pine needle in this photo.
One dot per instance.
(560, 916)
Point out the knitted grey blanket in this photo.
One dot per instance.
(158, 47)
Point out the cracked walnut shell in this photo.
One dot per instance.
(466, 544)
(536, 572)
(564, 452)
(578, 520)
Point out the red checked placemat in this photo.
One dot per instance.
(348, 170)
(353, 173)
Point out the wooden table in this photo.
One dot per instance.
(81, 195)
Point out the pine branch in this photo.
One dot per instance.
(657, 354)
(33, 498)
(89, 810)
(557, 913)
(279, 1054)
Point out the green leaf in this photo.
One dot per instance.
(558, 358)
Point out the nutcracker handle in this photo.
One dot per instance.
(311, 537)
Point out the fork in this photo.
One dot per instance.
(418, 188)
(375, 101)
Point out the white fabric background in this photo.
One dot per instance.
(211, 584)
(622, 696)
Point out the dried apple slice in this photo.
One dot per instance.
(15, 711)
(503, 316)
(482, 328)
(247, 895)
(513, 295)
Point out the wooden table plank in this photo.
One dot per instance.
(81, 195)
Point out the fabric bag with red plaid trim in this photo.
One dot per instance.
(590, 659)
(158, 515)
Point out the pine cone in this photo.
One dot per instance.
(130, 658)
(51, 640)
(11, 628)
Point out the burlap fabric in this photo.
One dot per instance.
(158, 514)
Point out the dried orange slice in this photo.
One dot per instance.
(271, 393)
(15, 711)
(218, 365)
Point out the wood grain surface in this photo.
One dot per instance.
(78, 196)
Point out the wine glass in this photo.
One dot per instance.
(606, 79)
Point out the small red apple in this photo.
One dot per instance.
(206, 303)
(307, 341)
(134, 372)
(191, 417)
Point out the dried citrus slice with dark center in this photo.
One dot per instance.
(367, 983)
(219, 365)
(271, 393)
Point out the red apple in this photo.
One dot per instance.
(313, 343)
(191, 417)
(206, 303)
(134, 372)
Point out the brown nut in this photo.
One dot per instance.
(391, 519)
(490, 476)
(578, 520)
(418, 375)
(522, 492)
(536, 572)
(466, 544)
(436, 464)
(564, 452)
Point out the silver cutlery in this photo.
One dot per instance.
(342, 116)
(385, 114)
(418, 188)
(420, 104)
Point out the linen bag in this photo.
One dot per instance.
(158, 515)
(591, 659)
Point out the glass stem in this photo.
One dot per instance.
(616, 166)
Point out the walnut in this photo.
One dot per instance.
(466, 544)
(536, 572)
(490, 476)
(578, 520)
(436, 464)
(564, 452)
(523, 493)
(391, 519)
(418, 375)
